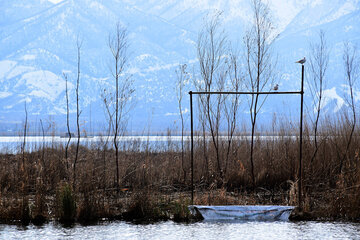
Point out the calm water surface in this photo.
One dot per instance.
(12, 144)
(201, 230)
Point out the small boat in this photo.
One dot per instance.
(67, 135)
(242, 212)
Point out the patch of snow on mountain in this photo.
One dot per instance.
(18, 70)
(39, 93)
(347, 8)
(55, 1)
(285, 11)
(357, 95)
(133, 70)
(331, 94)
(316, 2)
(7, 107)
(5, 94)
(28, 57)
(62, 110)
(185, 111)
(5, 67)
(97, 6)
(161, 67)
(46, 52)
(31, 19)
(142, 57)
(44, 84)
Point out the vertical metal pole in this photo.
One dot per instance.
(301, 138)
(192, 150)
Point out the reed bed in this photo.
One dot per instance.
(155, 179)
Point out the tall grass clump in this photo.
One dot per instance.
(66, 205)
(144, 208)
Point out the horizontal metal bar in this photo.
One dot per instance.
(295, 92)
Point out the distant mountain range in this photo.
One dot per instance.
(38, 43)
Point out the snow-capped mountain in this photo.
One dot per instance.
(38, 44)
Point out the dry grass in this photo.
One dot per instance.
(329, 191)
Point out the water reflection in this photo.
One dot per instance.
(201, 230)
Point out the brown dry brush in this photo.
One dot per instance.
(157, 171)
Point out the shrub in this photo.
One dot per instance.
(181, 212)
(66, 205)
(144, 209)
(89, 210)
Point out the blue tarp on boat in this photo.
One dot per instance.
(243, 212)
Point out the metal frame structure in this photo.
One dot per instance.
(301, 92)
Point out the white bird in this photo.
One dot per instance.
(301, 61)
(276, 87)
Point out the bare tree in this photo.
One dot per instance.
(319, 59)
(351, 67)
(231, 105)
(78, 112)
(23, 168)
(67, 121)
(43, 145)
(182, 78)
(24, 138)
(24, 174)
(259, 64)
(212, 55)
(118, 45)
(109, 115)
(41, 171)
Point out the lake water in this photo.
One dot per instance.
(201, 230)
(12, 144)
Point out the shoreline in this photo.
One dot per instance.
(140, 208)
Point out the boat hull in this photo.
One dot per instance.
(243, 212)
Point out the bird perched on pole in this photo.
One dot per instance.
(301, 61)
(276, 87)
